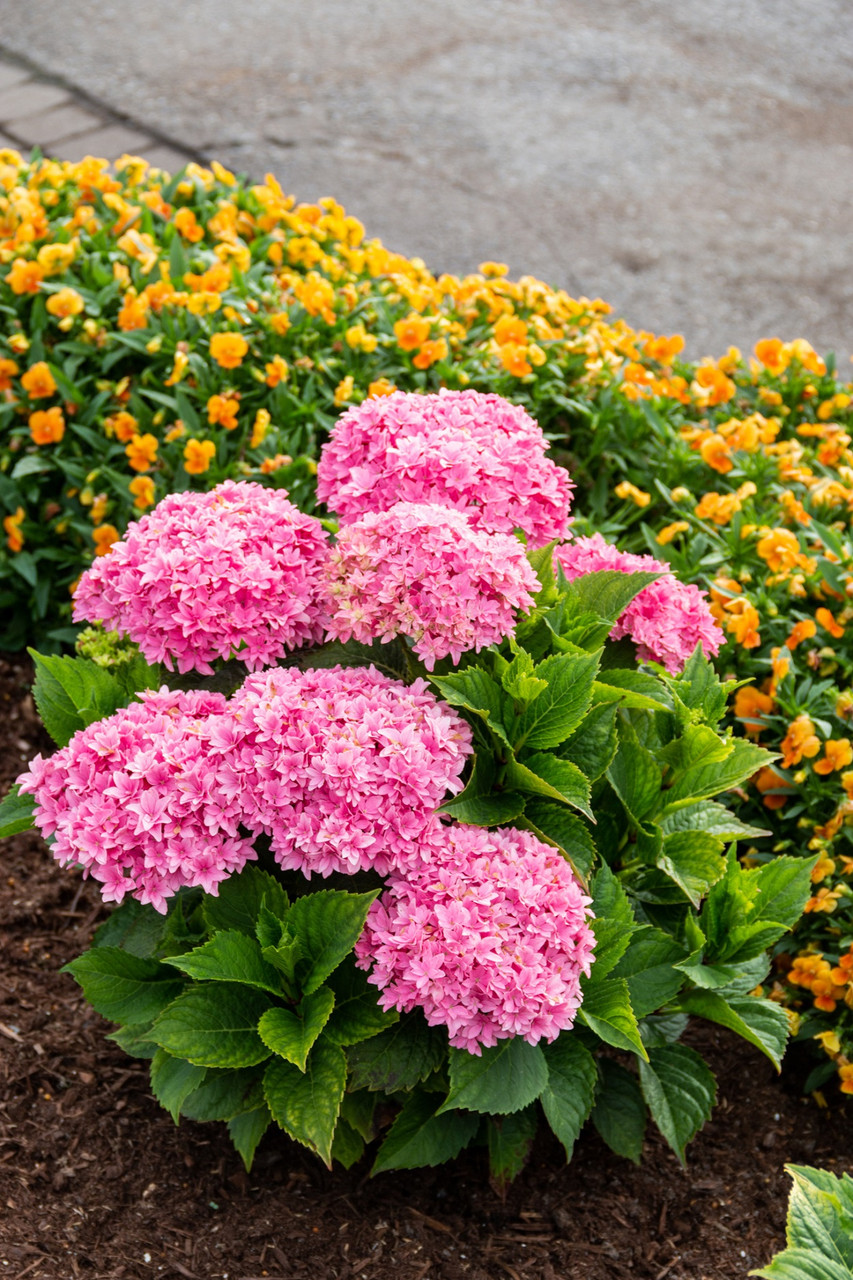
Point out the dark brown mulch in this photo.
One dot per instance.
(96, 1181)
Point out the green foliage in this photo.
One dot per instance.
(819, 1228)
(498, 1081)
(71, 693)
(17, 813)
(420, 1136)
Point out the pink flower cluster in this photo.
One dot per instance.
(462, 449)
(420, 570)
(208, 575)
(489, 936)
(134, 799)
(343, 768)
(665, 620)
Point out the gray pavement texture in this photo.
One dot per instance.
(690, 162)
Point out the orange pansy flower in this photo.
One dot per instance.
(142, 488)
(228, 349)
(827, 621)
(799, 632)
(772, 354)
(12, 528)
(223, 410)
(750, 705)
(24, 276)
(142, 452)
(104, 537)
(198, 455)
(430, 353)
(38, 381)
(838, 754)
(411, 332)
(47, 426)
(768, 782)
(799, 741)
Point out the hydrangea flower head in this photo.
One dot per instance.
(207, 575)
(666, 620)
(343, 767)
(420, 570)
(476, 453)
(489, 936)
(135, 800)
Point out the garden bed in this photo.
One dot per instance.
(97, 1182)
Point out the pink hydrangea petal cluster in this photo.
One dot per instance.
(489, 936)
(205, 575)
(134, 799)
(343, 767)
(421, 570)
(476, 453)
(665, 620)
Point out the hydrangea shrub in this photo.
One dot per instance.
(495, 888)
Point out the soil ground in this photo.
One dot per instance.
(97, 1183)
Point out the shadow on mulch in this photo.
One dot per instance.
(96, 1182)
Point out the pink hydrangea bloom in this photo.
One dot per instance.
(343, 768)
(489, 936)
(477, 453)
(206, 573)
(420, 570)
(665, 620)
(134, 798)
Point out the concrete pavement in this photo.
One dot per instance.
(690, 163)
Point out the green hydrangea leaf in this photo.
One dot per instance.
(230, 956)
(327, 924)
(510, 1140)
(347, 1145)
(479, 803)
(593, 744)
(124, 987)
(704, 780)
(503, 1079)
(694, 861)
(399, 1058)
(246, 1130)
(680, 1092)
(559, 709)
(173, 1080)
(292, 1034)
(222, 1095)
(619, 1114)
(635, 775)
(474, 690)
(607, 1011)
(761, 1022)
(551, 778)
(648, 967)
(634, 690)
(356, 1015)
(214, 1025)
(567, 1098)
(307, 1104)
(708, 816)
(17, 813)
(71, 693)
(420, 1137)
(613, 921)
(239, 901)
(553, 822)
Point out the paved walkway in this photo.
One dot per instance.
(692, 164)
(41, 111)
